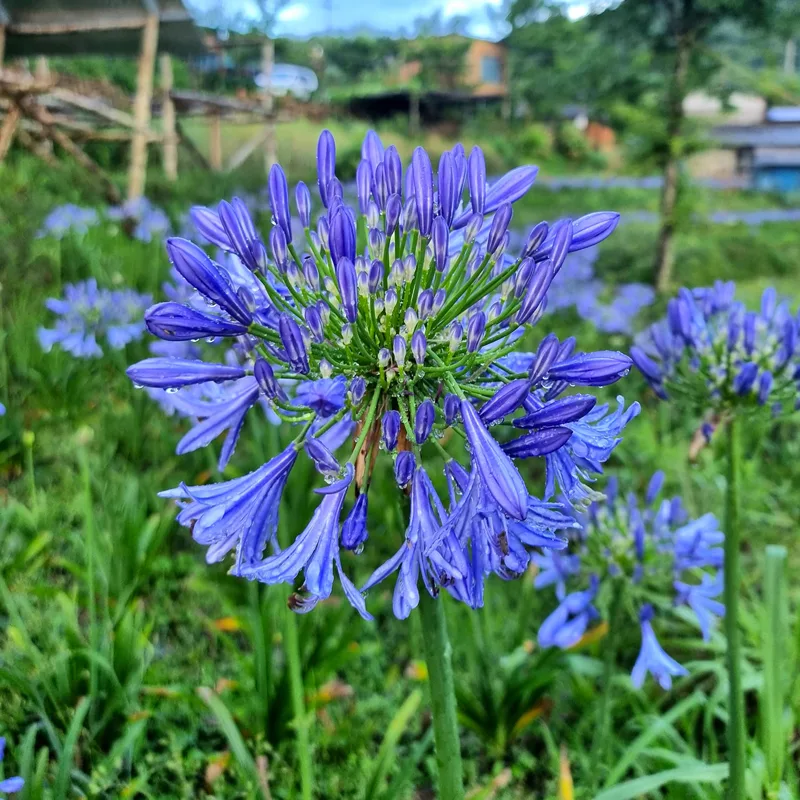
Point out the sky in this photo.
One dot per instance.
(303, 18)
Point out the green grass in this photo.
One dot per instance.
(170, 679)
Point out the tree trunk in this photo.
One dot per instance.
(790, 56)
(669, 191)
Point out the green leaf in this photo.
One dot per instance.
(691, 773)
(62, 789)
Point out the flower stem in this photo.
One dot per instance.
(736, 729)
(443, 702)
(292, 645)
(601, 733)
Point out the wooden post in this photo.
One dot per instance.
(141, 108)
(8, 128)
(413, 113)
(2, 44)
(168, 119)
(270, 148)
(215, 141)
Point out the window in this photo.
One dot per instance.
(491, 69)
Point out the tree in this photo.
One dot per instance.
(678, 34)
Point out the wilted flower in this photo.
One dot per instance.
(386, 325)
(712, 350)
(87, 313)
(644, 557)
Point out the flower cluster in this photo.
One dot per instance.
(647, 558)
(722, 356)
(8, 785)
(147, 221)
(384, 326)
(86, 312)
(66, 219)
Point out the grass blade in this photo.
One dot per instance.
(62, 784)
(640, 787)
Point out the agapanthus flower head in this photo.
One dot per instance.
(647, 551)
(67, 219)
(146, 220)
(721, 356)
(87, 313)
(380, 327)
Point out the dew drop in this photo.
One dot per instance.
(172, 390)
(195, 341)
(138, 386)
(211, 339)
(359, 550)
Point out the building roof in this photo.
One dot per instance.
(95, 27)
(784, 135)
(783, 114)
(777, 157)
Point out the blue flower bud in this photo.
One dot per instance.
(423, 190)
(419, 346)
(452, 409)
(210, 280)
(526, 267)
(375, 240)
(394, 207)
(505, 401)
(646, 365)
(473, 228)
(764, 387)
(241, 232)
(172, 373)
(354, 527)
(314, 322)
(279, 200)
(423, 422)
(246, 296)
(277, 245)
(440, 243)
(477, 180)
(409, 268)
(293, 275)
(439, 300)
(323, 232)
(347, 334)
(456, 335)
(266, 380)
(342, 237)
(372, 149)
(769, 301)
(408, 219)
(446, 181)
(494, 310)
(538, 443)
(375, 276)
(363, 185)
(380, 189)
(558, 412)
(546, 354)
(536, 291)
(391, 429)
(390, 300)
(404, 468)
(599, 368)
(654, 487)
(394, 170)
(384, 357)
(302, 199)
(535, 238)
(475, 330)
(592, 229)
(292, 339)
(498, 228)
(562, 239)
(323, 459)
(348, 288)
(311, 273)
(358, 388)
(373, 214)
(425, 303)
(399, 350)
(744, 380)
(326, 163)
(749, 332)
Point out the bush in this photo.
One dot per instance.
(571, 143)
(535, 141)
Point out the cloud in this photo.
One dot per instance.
(293, 13)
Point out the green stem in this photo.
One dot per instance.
(443, 701)
(601, 732)
(736, 723)
(89, 543)
(292, 645)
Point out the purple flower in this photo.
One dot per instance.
(592, 369)
(348, 288)
(423, 422)
(9, 785)
(326, 396)
(165, 373)
(652, 657)
(567, 624)
(354, 529)
(423, 190)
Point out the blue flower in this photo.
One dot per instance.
(395, 318)
(66, 219)
(9, 785)
(241, 513)
(652, 657)
(700, 598)
(567, 624)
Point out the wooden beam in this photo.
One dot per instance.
(141, 108)
(7, 129)
(170, 140)
(215, 142)
(94, 106)
(41, 149)
(36, 112)
(246, 150)
(267, 61)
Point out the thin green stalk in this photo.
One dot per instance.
(28, 438)
(292, 645)
(601, 731)
(89, 544)
(438, 658)
(736, 723)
